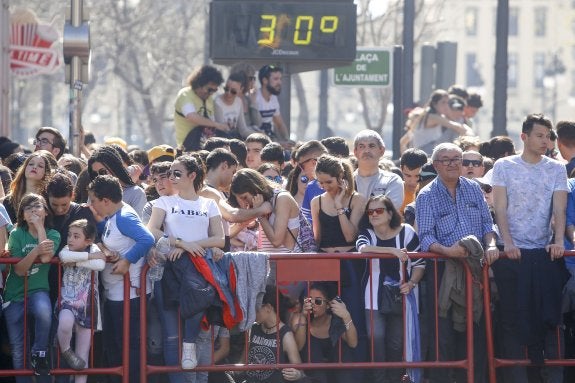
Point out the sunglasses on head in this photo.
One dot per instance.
(302, 164)
(176, 173)
(227, 89)
(474, 163)
(378, 210)
(276, 179)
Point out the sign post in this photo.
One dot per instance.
(77, 59)
(372, 68)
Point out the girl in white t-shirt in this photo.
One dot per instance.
(193, 224)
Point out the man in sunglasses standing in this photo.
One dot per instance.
(450, 210)
(472, 162)
(530, 197)
(194, 109)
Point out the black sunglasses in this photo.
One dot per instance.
(232, 91)
(212, 90)
(102, 172)
(474, 163)
(176, 173)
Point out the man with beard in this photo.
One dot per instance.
(273, 125)
(370, 180)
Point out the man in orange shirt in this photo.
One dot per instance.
(410, 164)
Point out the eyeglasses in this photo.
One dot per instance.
(276, 179)
(212, 90)
(302, 164)
(230, 90)
(161, 177)
(102, 172)
(41, 142)
(474, 163)
(378, 210)
(449, 161)
(30, 208)
(176, 173)
(318, 301)
(304, 179)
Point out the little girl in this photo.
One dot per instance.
(34, 242)
(79, 296)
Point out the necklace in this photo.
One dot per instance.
(269, 330)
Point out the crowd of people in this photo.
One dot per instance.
(235, 189)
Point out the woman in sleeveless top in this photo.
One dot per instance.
(329, 321)
(336, 213)
(250, 189)
(428, 128)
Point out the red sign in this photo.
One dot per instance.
(33, 48)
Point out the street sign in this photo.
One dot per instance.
(371, 68)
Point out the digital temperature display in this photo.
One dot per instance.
(282, 31)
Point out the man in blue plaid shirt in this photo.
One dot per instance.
(449, 208)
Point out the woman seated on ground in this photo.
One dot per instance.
(263, 345)
(329, 320)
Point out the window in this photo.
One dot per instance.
(538, 69)
(472, 74)
(513, 21)
(471, 14)
(540, 22)
(512, 70)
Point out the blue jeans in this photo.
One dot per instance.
(387, 343)
(40, 309)
(113, 334)
(170, 321)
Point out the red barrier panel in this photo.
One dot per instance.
(321, 267)
(495, 362)
(122, 370)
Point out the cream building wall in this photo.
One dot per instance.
(539, 30)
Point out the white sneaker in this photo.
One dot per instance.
(189, 359)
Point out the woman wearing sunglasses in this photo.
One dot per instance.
(193, 224)
(329, 321)
(229, 108)
(106, 160)
(387, 235)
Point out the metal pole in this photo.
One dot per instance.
(408, 37)
(397, 99)
(284, 97)
(4, 68)
(323, 105)
(75, 84)
(500, 80)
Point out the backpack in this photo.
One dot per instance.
(305, 241)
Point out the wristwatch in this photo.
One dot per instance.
(178, 242)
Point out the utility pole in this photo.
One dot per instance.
(77, 60)
(4, 68)
(500, 80)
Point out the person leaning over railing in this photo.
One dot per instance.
(385, 285)
(34, 241)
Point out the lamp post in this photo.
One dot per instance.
(555, 68)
